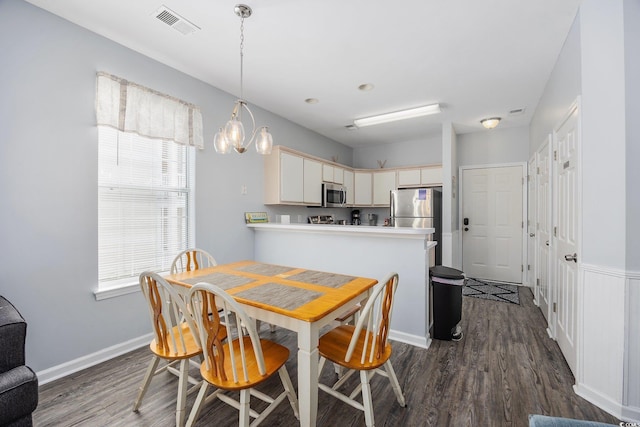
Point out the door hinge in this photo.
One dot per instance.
(537, 282)
(555, 307)
(555, 231)
(522, 224)
(521, 268)
(528, 267)
(555, 155)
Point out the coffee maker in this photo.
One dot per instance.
(355, 217)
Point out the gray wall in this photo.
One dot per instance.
(409, 153)
(494, 146)
(48, 180)
(632, 71)
(561, 90)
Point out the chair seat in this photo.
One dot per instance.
(334, 345)
(191, 347)
(275, 357)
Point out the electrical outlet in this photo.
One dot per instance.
(243, 189)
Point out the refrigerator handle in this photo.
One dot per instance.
(391, 208)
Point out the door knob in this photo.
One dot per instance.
(466, 229)
(547, 243)
(570, 257)
(532, 234)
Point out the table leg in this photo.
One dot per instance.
(308, 373)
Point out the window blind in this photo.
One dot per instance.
(145, 204)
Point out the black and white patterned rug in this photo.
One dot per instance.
(491, 290)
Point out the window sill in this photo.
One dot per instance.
(117, 290)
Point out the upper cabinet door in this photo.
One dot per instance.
(312, 182)
(338, 175)
(327, 173)
(383, 183)
(431, 175)
(362, 189)
(291, 178)
(348, 184)
(409, 177)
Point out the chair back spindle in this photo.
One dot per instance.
(192, 259)
(374, 321)
(166, 310)
(241, 333)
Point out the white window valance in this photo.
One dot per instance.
(130, 107)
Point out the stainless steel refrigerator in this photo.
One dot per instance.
(419, 208)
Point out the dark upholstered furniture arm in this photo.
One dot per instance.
(18, 395)
(18, 383)
(13, 332)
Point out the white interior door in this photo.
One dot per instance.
(543, 228)
(566, 169)
(493, 223)
(531, 225)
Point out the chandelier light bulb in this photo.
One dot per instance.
(264, 141)
(220, 143)
(234, 132)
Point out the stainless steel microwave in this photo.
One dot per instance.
(333, 196)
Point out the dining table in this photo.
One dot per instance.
(297, 299)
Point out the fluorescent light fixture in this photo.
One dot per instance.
(398, 115)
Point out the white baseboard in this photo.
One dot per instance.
(622, 412)
(414, 340)
(47, 375)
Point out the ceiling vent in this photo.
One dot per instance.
(175, 21)
(517, 111)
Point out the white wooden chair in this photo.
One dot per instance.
(363, 348)
(176, 339)
(192, 259)
(240, 363)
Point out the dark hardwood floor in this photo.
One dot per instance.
(505, 368)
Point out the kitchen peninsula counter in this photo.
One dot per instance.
(415, 233)
(360, 250)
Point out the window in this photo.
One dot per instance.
(145, 205)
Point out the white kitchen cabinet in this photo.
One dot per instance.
(327, 172)
(291, 178)
(362, 192)
(431, 175)
(331, 173)
(312, 182)
(348, 184)
(338, 175)
(383, 183)
(409, 177)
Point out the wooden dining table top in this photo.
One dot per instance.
(302, 294)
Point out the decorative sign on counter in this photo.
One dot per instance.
(255, 217)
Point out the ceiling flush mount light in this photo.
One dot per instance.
(490, 123)
(398, 115)
(232, 136)
(366, 87)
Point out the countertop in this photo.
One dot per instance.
(347, 229)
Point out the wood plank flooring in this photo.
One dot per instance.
(505, 368)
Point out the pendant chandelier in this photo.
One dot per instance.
(233, 136)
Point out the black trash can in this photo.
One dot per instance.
(447, 286)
